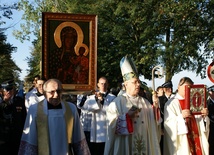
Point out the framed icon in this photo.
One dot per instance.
(69, 49)
(195, 98)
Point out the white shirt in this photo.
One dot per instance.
(85, 116)
(98, 123)
(32, 98)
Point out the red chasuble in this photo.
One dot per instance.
(193, 134)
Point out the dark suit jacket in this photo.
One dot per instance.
(210, 106)
(162, 99)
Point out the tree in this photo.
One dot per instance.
(6, 11)
(9, 70)
(154, 32)
(186, 27)
(165, 32)
(34, 61)
(32, 25)
(128, 28)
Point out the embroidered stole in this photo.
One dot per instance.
(42, 128)
(193, 134)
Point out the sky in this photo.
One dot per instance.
(23, 51)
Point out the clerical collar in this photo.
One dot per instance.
(104, 93)
(50, 106)
(39, 94)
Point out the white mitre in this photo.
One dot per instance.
(128, 68)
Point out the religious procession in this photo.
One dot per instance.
(86, 92)
(129, 121)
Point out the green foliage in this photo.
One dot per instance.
(154, 32)
(186, 27)
(139, 144)
(8, 68)
(34, 61)
(6, 12)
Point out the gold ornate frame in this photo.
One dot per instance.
(195, 97)
(52, 44)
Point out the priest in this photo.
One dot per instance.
(132, 127)
(52, 126)
(185, 132)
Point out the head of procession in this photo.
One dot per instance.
(130, 75)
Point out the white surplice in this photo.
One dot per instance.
(33, 99)
(175, 129)
(98, 122)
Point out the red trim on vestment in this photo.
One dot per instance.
(193, 134)
(129, 124)
(157, 113)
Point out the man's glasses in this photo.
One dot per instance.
(58, 91)
(135, 82)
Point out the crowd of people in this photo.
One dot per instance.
(105, 122)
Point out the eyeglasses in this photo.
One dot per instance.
(58, 91)
(135, 82)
